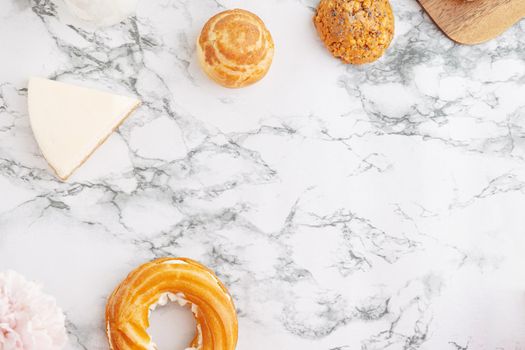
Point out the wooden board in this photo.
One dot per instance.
(475, 21)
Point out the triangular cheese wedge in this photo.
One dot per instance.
(70, 122)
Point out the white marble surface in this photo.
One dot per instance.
(375, 207)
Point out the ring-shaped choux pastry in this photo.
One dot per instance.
(176, 279)
(235, 48)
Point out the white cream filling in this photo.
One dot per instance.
(179, 298)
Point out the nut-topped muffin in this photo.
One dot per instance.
(355, 31)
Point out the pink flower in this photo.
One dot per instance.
(29, 319)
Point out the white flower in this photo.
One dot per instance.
(102, 12)
(29, 319)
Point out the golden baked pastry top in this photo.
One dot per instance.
(356, 31)
(176, 279)
(235, 48)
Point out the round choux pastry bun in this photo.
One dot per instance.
(235, 48)
(180, 280)
(355, 31)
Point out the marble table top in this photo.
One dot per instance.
(373, 207)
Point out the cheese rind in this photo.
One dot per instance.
(70, 122)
